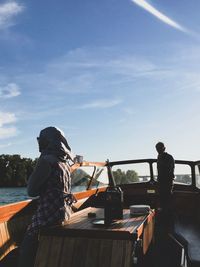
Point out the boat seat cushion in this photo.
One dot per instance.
(187, 232)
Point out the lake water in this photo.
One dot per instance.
(12, 194)
(15, 194)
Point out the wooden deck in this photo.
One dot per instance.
(81, 243)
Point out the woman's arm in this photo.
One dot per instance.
(38, 177)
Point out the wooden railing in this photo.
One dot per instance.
(14, 219)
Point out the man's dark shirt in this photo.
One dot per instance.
(165, 166)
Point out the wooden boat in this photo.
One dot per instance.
(142, 240)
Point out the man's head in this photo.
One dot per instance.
(52, 141)
(160, 147)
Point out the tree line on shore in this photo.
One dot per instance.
(15, 170)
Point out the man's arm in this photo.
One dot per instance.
(170, 165)
(38, 177)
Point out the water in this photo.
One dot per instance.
(16, 194)
(12, 194)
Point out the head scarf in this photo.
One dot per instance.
(52, 141)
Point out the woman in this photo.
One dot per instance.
(51, 182)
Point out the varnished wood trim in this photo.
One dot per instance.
(7, 211)
(85, 194)
(87, 163)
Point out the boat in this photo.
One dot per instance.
(142, 240)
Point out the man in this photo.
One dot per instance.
(165, 166)
(51, 181)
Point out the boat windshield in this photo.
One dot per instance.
(131, 173)
(182, 173)
(86, 177)
(140, 172)
(197, 175)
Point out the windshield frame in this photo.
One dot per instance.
(152, 174)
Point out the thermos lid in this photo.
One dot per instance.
(139, 209)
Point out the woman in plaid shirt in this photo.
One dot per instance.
(51, 182)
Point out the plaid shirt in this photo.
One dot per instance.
(53, 207)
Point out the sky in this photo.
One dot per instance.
(116, 76)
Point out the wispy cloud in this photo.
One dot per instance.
(7, 118)
(159, 15)
(9, 91)
(6, 132)
(8, 11)
(92, 74)
(103, 103)
(85, 71)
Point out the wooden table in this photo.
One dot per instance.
(81, 243)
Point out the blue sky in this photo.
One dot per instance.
(116, 76)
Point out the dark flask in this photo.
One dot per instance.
(113, 205)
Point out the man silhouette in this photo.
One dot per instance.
(165, 167)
